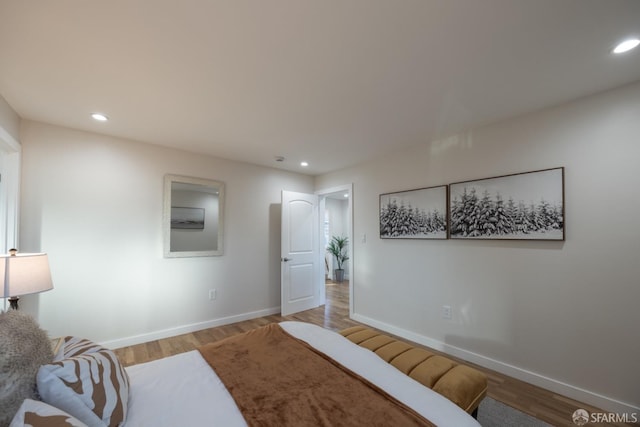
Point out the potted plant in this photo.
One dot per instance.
(338, 248)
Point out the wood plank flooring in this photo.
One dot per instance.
(334, 315)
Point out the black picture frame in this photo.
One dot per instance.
(414, 214)
(521, 206)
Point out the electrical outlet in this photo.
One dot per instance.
(446, 312)
(212, 294)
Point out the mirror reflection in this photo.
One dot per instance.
(193, 213)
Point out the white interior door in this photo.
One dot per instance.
(300, 260)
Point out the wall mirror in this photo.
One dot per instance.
(193, 217)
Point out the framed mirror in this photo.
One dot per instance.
(193, 218)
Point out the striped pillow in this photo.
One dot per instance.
(88, 382)
(33, 413)
(73, 346)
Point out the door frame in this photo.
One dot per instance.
(10, 167)
(347, 188)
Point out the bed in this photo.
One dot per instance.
(85, 385)
(191, 394)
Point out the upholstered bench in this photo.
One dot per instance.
(463, 385)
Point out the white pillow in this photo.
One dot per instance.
(92, 386)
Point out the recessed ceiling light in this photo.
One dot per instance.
(626, 46)
(99, 117)
(304, 164)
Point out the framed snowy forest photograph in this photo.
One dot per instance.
(523, 206)
(414, 214)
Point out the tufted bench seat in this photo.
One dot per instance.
(463, 385)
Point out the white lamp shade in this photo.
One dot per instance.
(24, 274)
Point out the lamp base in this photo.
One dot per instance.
(13, 303)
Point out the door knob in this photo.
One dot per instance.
(285, 259)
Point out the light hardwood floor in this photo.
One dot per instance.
(334, 315)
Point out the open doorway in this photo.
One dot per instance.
(336, 219)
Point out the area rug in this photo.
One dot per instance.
(495, 414)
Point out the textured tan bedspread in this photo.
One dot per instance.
(278, 380)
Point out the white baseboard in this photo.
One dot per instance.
(603, 402)
(171, 332)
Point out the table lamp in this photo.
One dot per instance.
(23, 274)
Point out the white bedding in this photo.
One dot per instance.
(183, 390)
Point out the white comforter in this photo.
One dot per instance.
(183, 390)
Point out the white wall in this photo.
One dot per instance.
(94, 204)
(560, 314)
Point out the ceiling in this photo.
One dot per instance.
(330, 82)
